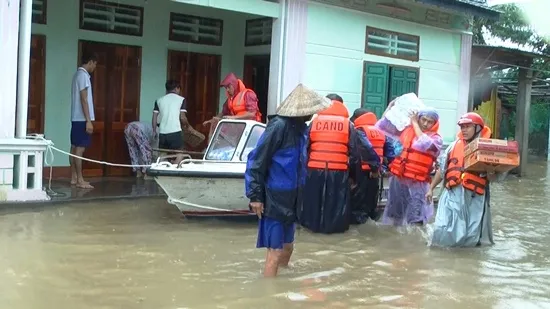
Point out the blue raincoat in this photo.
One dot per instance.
(275, 170)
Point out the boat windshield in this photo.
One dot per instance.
(225, 141)
(252, 140)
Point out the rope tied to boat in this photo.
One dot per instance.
(49, 158)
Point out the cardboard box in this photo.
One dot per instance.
(481, 161)
(491, 144)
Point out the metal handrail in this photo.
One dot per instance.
(200, 161)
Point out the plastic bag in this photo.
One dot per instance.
(398, 117)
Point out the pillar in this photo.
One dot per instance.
(23, 68)
(9, 29)
(465, 76)
(523, 110)
(9, 37)
(288, 51)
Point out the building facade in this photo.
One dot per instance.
(368, 51)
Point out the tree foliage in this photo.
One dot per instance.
(511, 26)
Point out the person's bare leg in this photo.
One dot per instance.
(272, 261)
(81, 183)
(286, 254)
(74, 176)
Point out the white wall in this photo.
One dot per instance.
(335, 56)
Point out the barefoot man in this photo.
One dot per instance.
(82, 115)
(275, 173)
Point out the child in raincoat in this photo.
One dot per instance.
(463, 216)
(410, 171)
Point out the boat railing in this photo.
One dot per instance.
(161, 161)
(201, 161)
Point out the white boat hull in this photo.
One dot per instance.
(206, 196)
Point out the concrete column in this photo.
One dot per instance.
(24, 67)
(465, 77)
(523, 110)
(9, 36)
(288, 51)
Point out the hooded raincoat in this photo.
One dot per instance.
(243, 101)
(407, 202)
(463, 217)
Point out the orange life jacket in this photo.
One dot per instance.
(375, 136)
(329, 137)
(411, 163)
(455, 174)
(237, 104)
(337, 109)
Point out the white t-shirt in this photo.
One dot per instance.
(169, 108)
(81, 81)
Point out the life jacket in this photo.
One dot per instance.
(329, 138)
(455, 173)
(237, 104)
(337, 108)
(411, 163)
(375, 136)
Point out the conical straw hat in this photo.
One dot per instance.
(302, 102)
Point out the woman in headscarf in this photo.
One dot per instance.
(410, 171)
(139, 137)
(463, 214)
(275, 175)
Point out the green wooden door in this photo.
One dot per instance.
(403, 80)
(375, 89)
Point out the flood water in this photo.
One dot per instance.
(142, 254)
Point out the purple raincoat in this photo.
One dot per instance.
(407, 202)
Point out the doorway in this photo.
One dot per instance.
(256, 77)
(384, 82)
(199, 76)
(116, 89)
(37, 85)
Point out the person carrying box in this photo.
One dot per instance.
(463, 217)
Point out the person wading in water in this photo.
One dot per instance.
(410, 180)
(334, 157)
(365, 195)
(275, 173)
(463, 216)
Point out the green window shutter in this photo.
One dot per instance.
(375, 88)
(403, 80)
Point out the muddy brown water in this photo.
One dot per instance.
(142, 254)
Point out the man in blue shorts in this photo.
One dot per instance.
(275, 174)
(82, 115)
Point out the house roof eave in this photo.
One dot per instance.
(466, 6)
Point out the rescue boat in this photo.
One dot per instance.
(214, 185)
